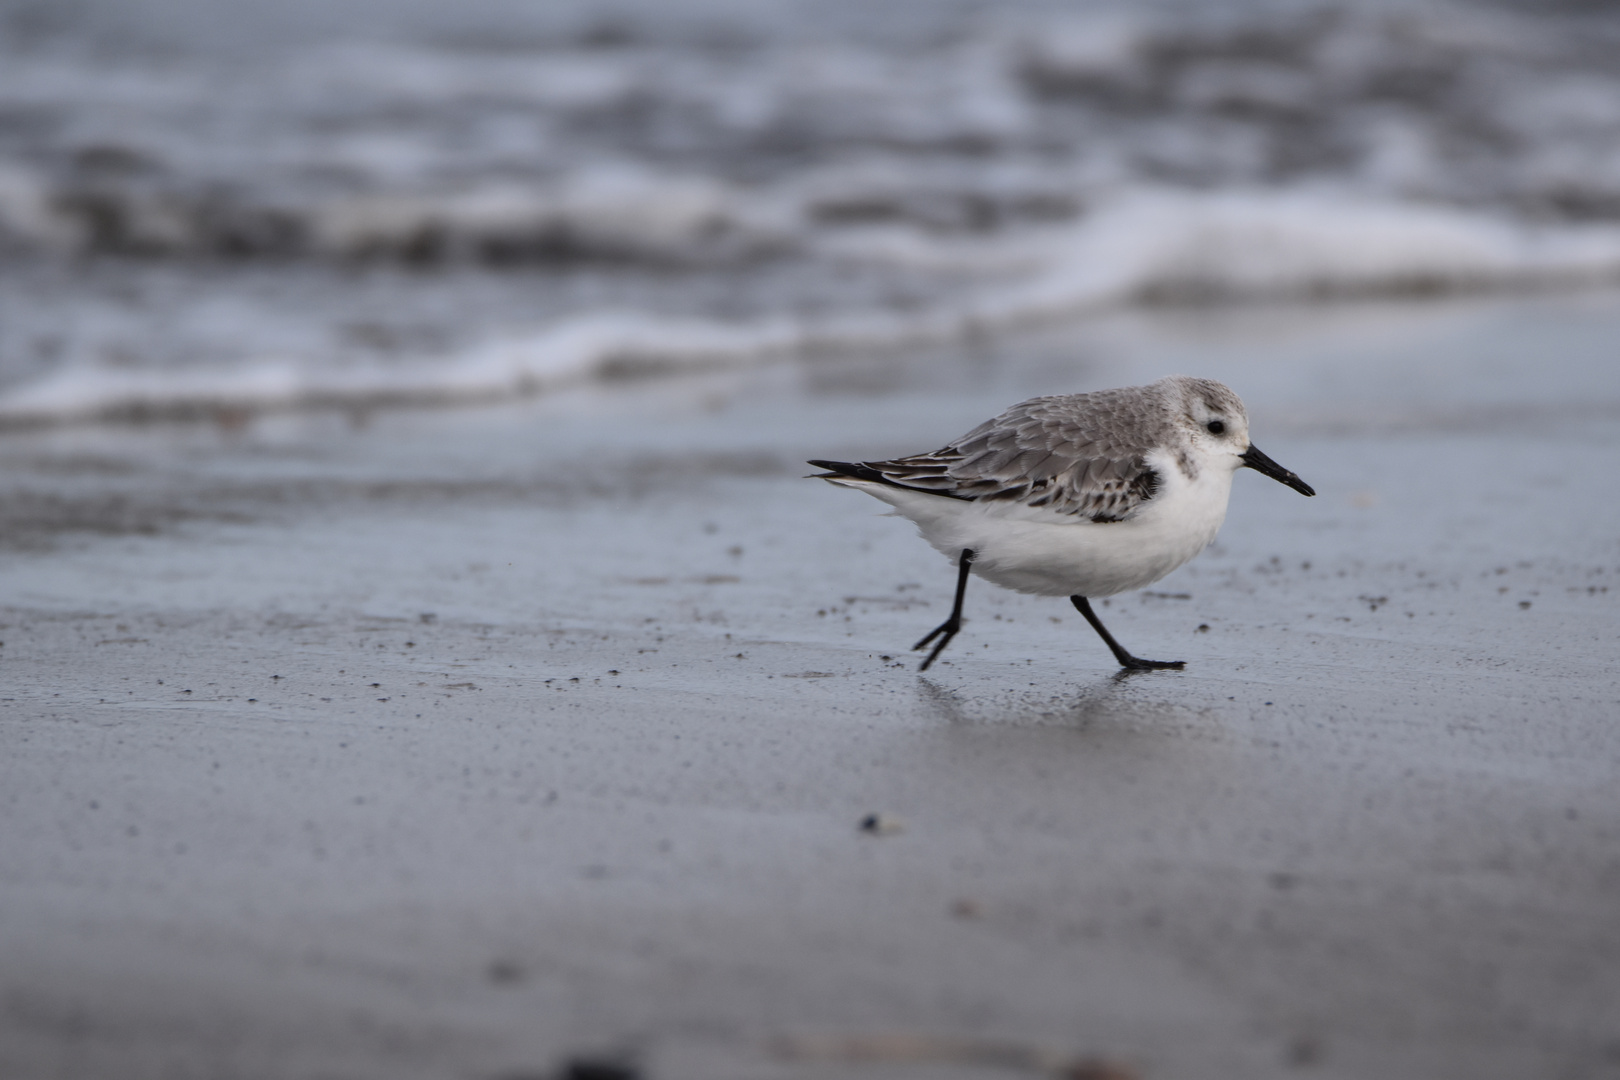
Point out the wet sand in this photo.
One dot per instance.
(466, 743)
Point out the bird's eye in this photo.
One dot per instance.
(1215, 427)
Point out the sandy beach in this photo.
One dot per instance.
(472, 743)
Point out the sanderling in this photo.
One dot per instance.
(1077, 495)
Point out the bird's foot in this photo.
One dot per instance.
(948, 628)
(1132, 663)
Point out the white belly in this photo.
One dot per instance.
(1035, 551)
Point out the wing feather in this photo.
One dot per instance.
(1082, 455)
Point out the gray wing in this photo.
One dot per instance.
(1078, 454)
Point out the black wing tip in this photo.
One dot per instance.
(853, 469)
(859, 470)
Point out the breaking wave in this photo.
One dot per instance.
(989, 167)
(1149, 248)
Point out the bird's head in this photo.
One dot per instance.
(1217, 425)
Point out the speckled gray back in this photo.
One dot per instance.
(1081, 454)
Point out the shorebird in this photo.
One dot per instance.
(1077, 495)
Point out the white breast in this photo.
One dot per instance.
(1033, 550)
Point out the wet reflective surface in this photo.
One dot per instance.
(418, 743)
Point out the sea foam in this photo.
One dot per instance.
(1147, 248)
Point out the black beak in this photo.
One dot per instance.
(1254, 459)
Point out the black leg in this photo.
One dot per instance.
(951, 625)
(1126, 660)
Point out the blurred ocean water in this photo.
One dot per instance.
(211, 203)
